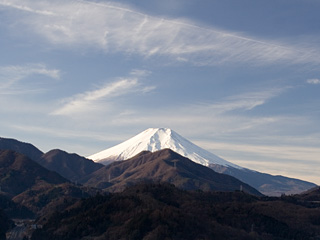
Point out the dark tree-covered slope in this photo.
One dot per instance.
(162, 211)
(70, 166)
(19, 173)
(20, 147)
(5, 224)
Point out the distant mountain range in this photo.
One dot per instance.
(154, 139)
(163, 166)
(151, 201)
(79, 169)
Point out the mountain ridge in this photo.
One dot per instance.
(21, 147)
(267, 184)
(19, 173)
(165, 166)
(69, 165)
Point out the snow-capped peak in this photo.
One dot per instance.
(154, 139)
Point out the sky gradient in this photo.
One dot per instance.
(238, 78)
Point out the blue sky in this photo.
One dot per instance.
(239, 78)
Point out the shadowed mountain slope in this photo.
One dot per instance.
(164, 166)
(161, 211)
(13, 209)
(19, 173)
(20, 147)
(70, 166)
(266, 183)
(5, 225)
(313, 195)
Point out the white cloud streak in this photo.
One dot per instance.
(99, 100)
(313, 81)
(10, 75)
(246, 101)
(221, 117)
(116, 28)
(276, 152)
(89, 101)
(22, 7)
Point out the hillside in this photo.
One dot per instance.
(161, 211)
(5, 224)
(164, 166)
(24, 148)
(28, 189)
(70, 166)
(43, 199)
(13, 209)
(267, 184)
(19, 173)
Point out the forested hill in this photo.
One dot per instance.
(160, 211)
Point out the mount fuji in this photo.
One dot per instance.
(155, 139)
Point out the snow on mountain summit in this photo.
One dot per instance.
(154, 139)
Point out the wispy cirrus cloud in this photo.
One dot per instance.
(119, 28)
(95, 100)
(17, 5)
(227, 115)
(276, 152)
(13, 74)
(246, 101)
(88, 101)
(313, 81)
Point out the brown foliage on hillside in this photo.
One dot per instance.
(161, 211)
